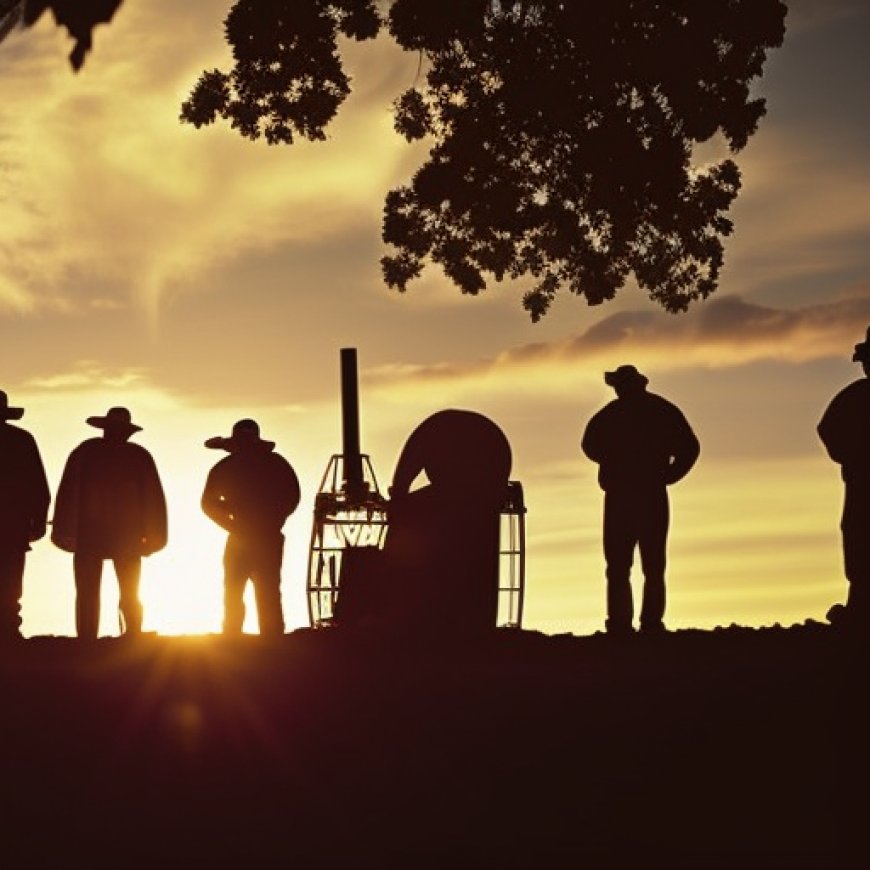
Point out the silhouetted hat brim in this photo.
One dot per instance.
(11, 413)
(861, 352)
(108, 423)
(219, 442)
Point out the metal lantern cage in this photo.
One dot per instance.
(350, 512)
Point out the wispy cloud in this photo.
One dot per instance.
(807, 15)
(87, 375)
(725, 332)
(100, 181)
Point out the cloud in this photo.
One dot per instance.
(725, 332)
(105, 196)
(99, 181)
(728, 331)
(808, 15)
(86, 375)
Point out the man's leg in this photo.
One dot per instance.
(619, 542)
(235, 577)
(266, 577)
(11, 589)
(88, 570)
(653, 558)
(129, 570)
(855, 527)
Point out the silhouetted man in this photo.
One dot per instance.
(642, 444)
(250, 493)
(24, 499)
(110, 505)
(845, 432)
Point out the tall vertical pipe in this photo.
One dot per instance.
(353, 472)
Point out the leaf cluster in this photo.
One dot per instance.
(288, 78)
(563, 135)
(79, 17)
(562, 131)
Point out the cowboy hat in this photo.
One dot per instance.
(245, 431)
(7, 413)
(116, 419)
(623, 376)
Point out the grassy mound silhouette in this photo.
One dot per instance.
(734, 748)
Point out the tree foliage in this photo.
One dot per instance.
(563, 137)
(288, 77)
(79, 17)
(562, 131)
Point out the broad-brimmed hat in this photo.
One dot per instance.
(624, 376)
(862, 350)
(117, 420)
(245, 431)
(7, 413)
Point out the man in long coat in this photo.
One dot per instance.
(250, 494)
(24, 499)
(643, 444)
(110, 505)
(845, 432)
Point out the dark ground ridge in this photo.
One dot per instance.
(735, 747)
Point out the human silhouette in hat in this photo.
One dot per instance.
(642, 444)
(110, 505)
(250, 494)
(845, 432)
(24, 500)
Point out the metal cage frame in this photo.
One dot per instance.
(341, 522)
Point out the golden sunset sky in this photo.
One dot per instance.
(197, 278)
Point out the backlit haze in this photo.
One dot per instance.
(197, 278)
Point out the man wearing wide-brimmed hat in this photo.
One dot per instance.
(845, 432)
(24, 499)
(110, 505)
(250, 494)
(642, 444)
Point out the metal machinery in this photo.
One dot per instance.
(512, 558)
(350, 512)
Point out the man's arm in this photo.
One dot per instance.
(830, 430)
(593, 441)
(40, 495)
(64, 524)
(292, 491)
(686, 450)
(156, 522)
(213, 503)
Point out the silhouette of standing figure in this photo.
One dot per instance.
(24, 499)
(642, 444)
(110, 505)
(442, 541)
(845, 432)
(250, 494)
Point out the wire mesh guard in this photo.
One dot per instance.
(512, 558)
(342, 521)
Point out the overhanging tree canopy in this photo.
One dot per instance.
(562, 131)
(79, 17)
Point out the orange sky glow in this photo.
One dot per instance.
(198, 278)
